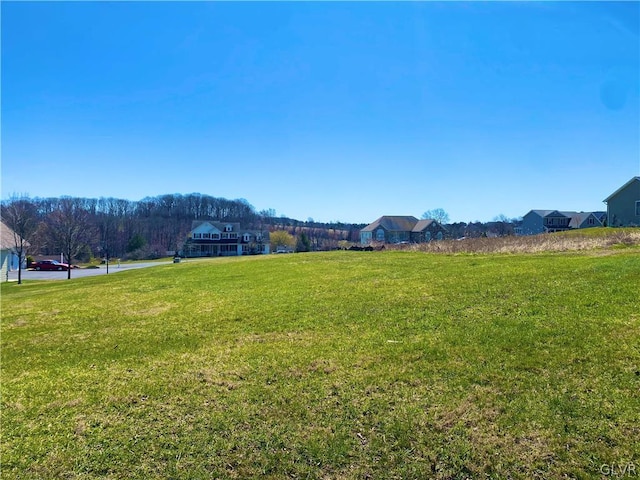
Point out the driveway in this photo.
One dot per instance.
(80, 272)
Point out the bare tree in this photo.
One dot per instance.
(69, 228)
(437, 214)
(21, 215)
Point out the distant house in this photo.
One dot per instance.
(623, 205)
(401, 229)
(546, 221)
(222, 239)
(588, 219)
(9, 260)
(427, 230)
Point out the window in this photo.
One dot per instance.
(637, 208)
(206, 235)
(246, 237)
(228, 228)
(427, 236)
(439, 235)
(215, 236)
(197, 235)
(380, 235)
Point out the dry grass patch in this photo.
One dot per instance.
(582, 240)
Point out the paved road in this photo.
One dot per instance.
(80, 272)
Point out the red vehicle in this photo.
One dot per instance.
(49, 265)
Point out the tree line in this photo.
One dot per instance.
(86, 228)
(82, 228)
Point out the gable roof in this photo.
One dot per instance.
(422, 224)
(212, 225)
(634, 179)
(558, 213)
(7, 238)
(393, 223)
(206, 227)
(568, 213)
(578, 219)
(600, 215)
(541, 213)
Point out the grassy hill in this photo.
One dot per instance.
(390, 364)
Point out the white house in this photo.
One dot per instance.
(221, 239)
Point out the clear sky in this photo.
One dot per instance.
(334, 111)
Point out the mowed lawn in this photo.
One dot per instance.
(344, 365)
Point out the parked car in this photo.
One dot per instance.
(50, 265)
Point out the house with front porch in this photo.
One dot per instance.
(222, 239)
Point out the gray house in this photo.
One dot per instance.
(623, 205)
(427, 230)
(545, 221)
(400, 229)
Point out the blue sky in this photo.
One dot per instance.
(334, 111)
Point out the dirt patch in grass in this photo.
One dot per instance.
(474, 426)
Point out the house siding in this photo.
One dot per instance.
(622, 206)
(366, 238)
(532, 223)
(5, 259)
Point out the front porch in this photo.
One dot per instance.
(192, 250)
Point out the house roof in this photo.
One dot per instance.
(7, 239)
(568, 213)
(215, 224)
(393, 223)
(634, 179)
(422, 224)
(578, 219)
(542, 213)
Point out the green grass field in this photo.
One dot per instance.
(344, 365)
